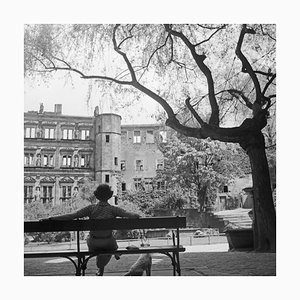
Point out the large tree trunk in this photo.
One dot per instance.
(264, 226)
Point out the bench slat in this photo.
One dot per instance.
(119, 251)
(118, 223)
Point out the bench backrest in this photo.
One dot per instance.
(118, 223)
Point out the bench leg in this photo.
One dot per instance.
(84, 262)
(173, 260)
(178, 264)
(174, 263)
(82, 265)
(148, 271)
(77, 266)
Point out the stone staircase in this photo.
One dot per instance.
(238, 218)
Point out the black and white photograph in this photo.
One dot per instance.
(149, 148)
(174, 133)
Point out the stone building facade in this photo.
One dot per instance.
(60, 151)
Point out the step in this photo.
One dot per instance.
(238, 211)
(233, 217)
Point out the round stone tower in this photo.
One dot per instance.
(108, 151)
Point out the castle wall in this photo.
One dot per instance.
(60, 151)
(108, 151)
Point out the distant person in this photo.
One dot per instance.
(102, 239)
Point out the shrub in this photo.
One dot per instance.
(62, 237)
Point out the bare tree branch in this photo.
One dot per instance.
(268, 74)
(61, 60)
(116, 48)
(204, 41)
(39, 60)
(237, 93)
(156, 50)
(268, 83)
(233, 103)
(246, 67)
(172, 49)
(157, 98)
(107, 78)
(199, 59)
(128, 37)
(194, 113)
(262, 30)
(82, 75)
(207, 27)
(232, 135)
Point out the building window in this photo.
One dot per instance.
(124, 136)
(116, 161)
(65, 192)
(148, 184)
(30, 132)
(84, 161)
(138, 184)
(149, 137)
(48, 160)
(76, 161)
(136, 137)
(160, 185)
(107, 138)
(28, 159)
(67, 160)
(67, 134)
(28, 194)
(163, 136)
(38, 160)
(107, 178)
(123, 186)
(47, 194)
(139, 166)
(123, 165)
(85, 134)
(159, 164)
(49, 133)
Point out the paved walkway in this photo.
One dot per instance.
(224, 263)
(197, 260)
(215, 260)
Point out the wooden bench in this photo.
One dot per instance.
(83, 256)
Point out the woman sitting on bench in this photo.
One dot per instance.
(104, 239)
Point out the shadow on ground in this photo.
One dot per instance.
(192, 264)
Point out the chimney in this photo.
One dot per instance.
(58, 109)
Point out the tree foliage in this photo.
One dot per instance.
(200, 168)
(37, 210)
(141, 201)
(163, 60)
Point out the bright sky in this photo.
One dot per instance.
(72, 94)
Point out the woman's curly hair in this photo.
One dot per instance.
(103, 192)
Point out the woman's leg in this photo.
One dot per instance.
(101, 262)
(102, 244)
